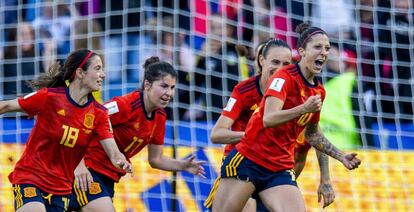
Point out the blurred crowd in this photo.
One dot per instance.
(372, 39)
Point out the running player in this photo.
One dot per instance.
(138, 119)
(67, 117)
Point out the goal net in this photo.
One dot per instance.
(368, 80)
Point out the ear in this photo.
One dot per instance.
(147, 85)
(261, 60)
(78, 73)
(301, 52)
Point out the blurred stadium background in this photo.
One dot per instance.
(369, 83)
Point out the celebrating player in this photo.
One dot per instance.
(67, 117)
(262, 161)
(138, 119)
(246, 96)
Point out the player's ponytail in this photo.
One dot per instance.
(56, 75)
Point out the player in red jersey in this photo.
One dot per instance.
(262, 161)
(138, 119)
(244, 100)
(67, 117)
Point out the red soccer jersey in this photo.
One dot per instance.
(132, 129)
(273, 148)
(59, 138)
(243, 101)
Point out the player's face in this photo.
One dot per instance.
(95, 74)
(160, 92)
(316, 53)
(276, 57)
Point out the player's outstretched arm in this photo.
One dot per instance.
(157, 160)
(314, 136)
(325, 190)
(10, 106)
(117, 158)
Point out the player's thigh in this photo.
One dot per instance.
(250, 206)
(232, 194)
(32, 206)
(103, 204)
(283, 198)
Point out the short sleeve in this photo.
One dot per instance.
(118, 110)
(234, 106)
(278, 85)
(103, 129)
(33, 103)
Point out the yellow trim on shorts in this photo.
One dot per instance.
(18, 198)
(80, 196)
(209, 201)
(231, 169)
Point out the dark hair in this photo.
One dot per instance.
(56, 75)
(305, 33)
(264, 47)
(156, 70)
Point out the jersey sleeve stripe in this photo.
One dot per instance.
(247, 88)
(57, 90)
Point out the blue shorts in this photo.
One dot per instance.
(102, 186)
(237, 166)
(25, 193)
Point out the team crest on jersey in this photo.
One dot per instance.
(95, 188)
(88, 121)
(29, 192)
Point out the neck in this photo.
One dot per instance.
(263, 83)
(149, 107)
(309, 76)
(77, 93)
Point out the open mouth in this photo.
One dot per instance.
(319, 63)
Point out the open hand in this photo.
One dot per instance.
(195, 167)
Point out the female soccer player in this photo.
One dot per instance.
(246, 96)
(138, 119)
(262, 161)
(67, 117)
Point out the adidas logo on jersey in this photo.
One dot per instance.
(61, 112)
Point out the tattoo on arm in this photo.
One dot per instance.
(323, 161)
(315, 138)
